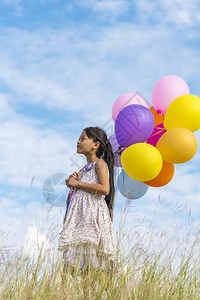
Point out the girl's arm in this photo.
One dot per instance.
(101, 188)
(97, 189)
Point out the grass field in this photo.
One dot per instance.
(156, 267)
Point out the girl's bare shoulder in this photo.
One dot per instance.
(101, 164)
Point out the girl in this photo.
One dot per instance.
(87, 238)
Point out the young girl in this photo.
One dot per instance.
(87, 238)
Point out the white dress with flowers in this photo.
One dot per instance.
(87, 236)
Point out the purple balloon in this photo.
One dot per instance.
(115, 147)
(134, 124)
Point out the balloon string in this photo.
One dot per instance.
(157, 133)
(118, 152)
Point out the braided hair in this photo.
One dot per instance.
(105, 151)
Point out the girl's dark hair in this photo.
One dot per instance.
(105, 151)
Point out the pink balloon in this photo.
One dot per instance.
(157, 133)
(125, 100)
(166, 90)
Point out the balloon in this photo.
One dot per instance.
(184, 111)
(166, 90)
(177, 145)
(141, 161)
(157, 133)
(164, 177)
(125, 100)
(134, 123)
(159, 118)
(129, 187)
(115, 147)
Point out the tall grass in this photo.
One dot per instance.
(157, 266)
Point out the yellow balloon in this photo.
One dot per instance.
(177, 145)
(184, 111)
(141, 161)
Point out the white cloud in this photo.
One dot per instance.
(182, 12)
(28, 151)
(5, 108)
(109, 9)
(34, 242)
(176, 12)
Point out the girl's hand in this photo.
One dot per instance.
(74, 176)
(72, 182)
(67, 183)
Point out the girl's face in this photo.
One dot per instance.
(85, 144)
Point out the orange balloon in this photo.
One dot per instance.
(164, 177)
(159, 118)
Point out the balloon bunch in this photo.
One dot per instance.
(148, 141)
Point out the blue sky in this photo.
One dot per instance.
(62, 66)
